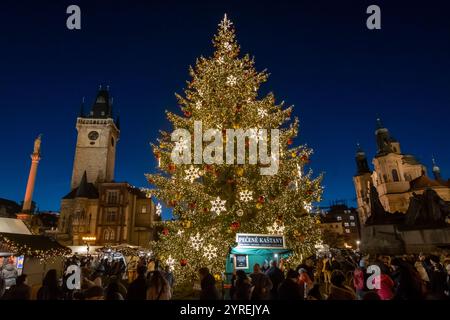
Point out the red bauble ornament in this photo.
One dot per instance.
(289, 141)
(235, 225)
(165, 231)
(261, 199)
(305, 158)
(205, 209)
(172, 167)
(192, 205)
(187, 113)
(309, 192)
(183, 262)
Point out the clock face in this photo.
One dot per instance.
(93, 135)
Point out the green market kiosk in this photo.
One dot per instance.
(255, 248)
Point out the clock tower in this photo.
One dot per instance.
(98, 134)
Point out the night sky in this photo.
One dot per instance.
(339, 75)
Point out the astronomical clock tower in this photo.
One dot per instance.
(98, 134)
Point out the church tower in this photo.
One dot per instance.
(98, 134)
(362, 181)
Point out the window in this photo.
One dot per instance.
(113, 197)
(352, 224)
(109, 235)
(395, 175)
(346, 224)
(111, 215)
(385, 178)
(339, 218)
(144, 209)
(352, 217)
(347, 230)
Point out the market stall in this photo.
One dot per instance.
(22, 252)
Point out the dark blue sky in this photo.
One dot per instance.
(339, 75)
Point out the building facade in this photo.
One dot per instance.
(342, 221)
(396, 176)
(98, 208)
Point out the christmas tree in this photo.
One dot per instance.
(213, 201)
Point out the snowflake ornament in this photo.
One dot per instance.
(262, 112)
(225, 23)
(218, 206)
(170, 262)
(180, 233)
(180, 145)
(276, 228)
(196, 241)
(191, 174)
(227, 46)
(198, 105)
(210, 252)
(246, 195)
(220, 60)
(158, 209)
(231, 80)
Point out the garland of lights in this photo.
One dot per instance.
(48, 255)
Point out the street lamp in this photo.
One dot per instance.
(358, 243)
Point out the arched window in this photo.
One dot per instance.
(395, 175)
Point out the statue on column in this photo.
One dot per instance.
(37, 145)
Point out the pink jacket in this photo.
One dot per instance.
(386, 285)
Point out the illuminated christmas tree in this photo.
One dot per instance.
(213, 201)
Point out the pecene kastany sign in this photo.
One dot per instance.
(265, 241)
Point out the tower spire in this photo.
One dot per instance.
(436, 170)
(362, 165)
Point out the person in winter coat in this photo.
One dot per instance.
(338, 290)
(137, 290)
(437, 279)
(50, 289)
(290, 289)
(276, 276)
(386, 286)
(158, 287)
(19, 291)
(208, 285)
(409, 285)
(242, 286)
(9, 274)
(262, 284)
(360, 278)
(304, 280)
(113, 292)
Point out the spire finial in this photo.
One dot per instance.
(99, 87)
(107, 88)
(379, 123)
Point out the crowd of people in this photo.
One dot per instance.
(348, 277)
(331, 277)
